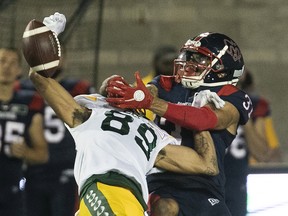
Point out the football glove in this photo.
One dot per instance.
(128, 97)
(55, 22)
(206, 96)
(109, 82)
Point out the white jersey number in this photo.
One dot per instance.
(54, 128)
(238, 147)
(14, 132)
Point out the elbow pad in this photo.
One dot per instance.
(191, 117)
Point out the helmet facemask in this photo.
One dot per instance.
(193, 64)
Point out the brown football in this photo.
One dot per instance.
(41, 48)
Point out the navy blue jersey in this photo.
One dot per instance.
(237, 155)
(221, 138)
(60, 142)
(15, 119)
(236, 159)
(237, 162)
(261, 107)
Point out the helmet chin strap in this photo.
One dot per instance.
(196, 81)
(193, 84)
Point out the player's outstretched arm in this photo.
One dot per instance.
(60, 100)
(182, 159)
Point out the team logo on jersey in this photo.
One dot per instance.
(11, 110)
(213, 201)
(20, 109)
(5, 112)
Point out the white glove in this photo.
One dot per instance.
(55, 23)
(206, 96)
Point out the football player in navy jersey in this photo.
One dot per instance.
(236, 171)
(208, 63)
(51, 189)
(21, 133)
(257, 139)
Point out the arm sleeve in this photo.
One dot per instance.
(191, 117)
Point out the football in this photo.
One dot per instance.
(41, 48)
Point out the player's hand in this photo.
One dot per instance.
(55, 22)
(18, 148)
(108, 83)
(206, 96)
(128, 97)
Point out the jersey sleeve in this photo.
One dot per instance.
(32, 99)
(37, 104)
(155, 81)
(82, 87)
(164, 82)
(91, 101)
(239, 99)
(261, 107)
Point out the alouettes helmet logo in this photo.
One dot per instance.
(193, 43)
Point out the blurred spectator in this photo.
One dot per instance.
(257, 140)
(163, 64)
(51, 187)
(21, 133)
(260, 129)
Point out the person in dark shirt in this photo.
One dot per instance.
(256, 141)
(22, 139)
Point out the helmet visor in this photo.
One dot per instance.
(191, 63)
